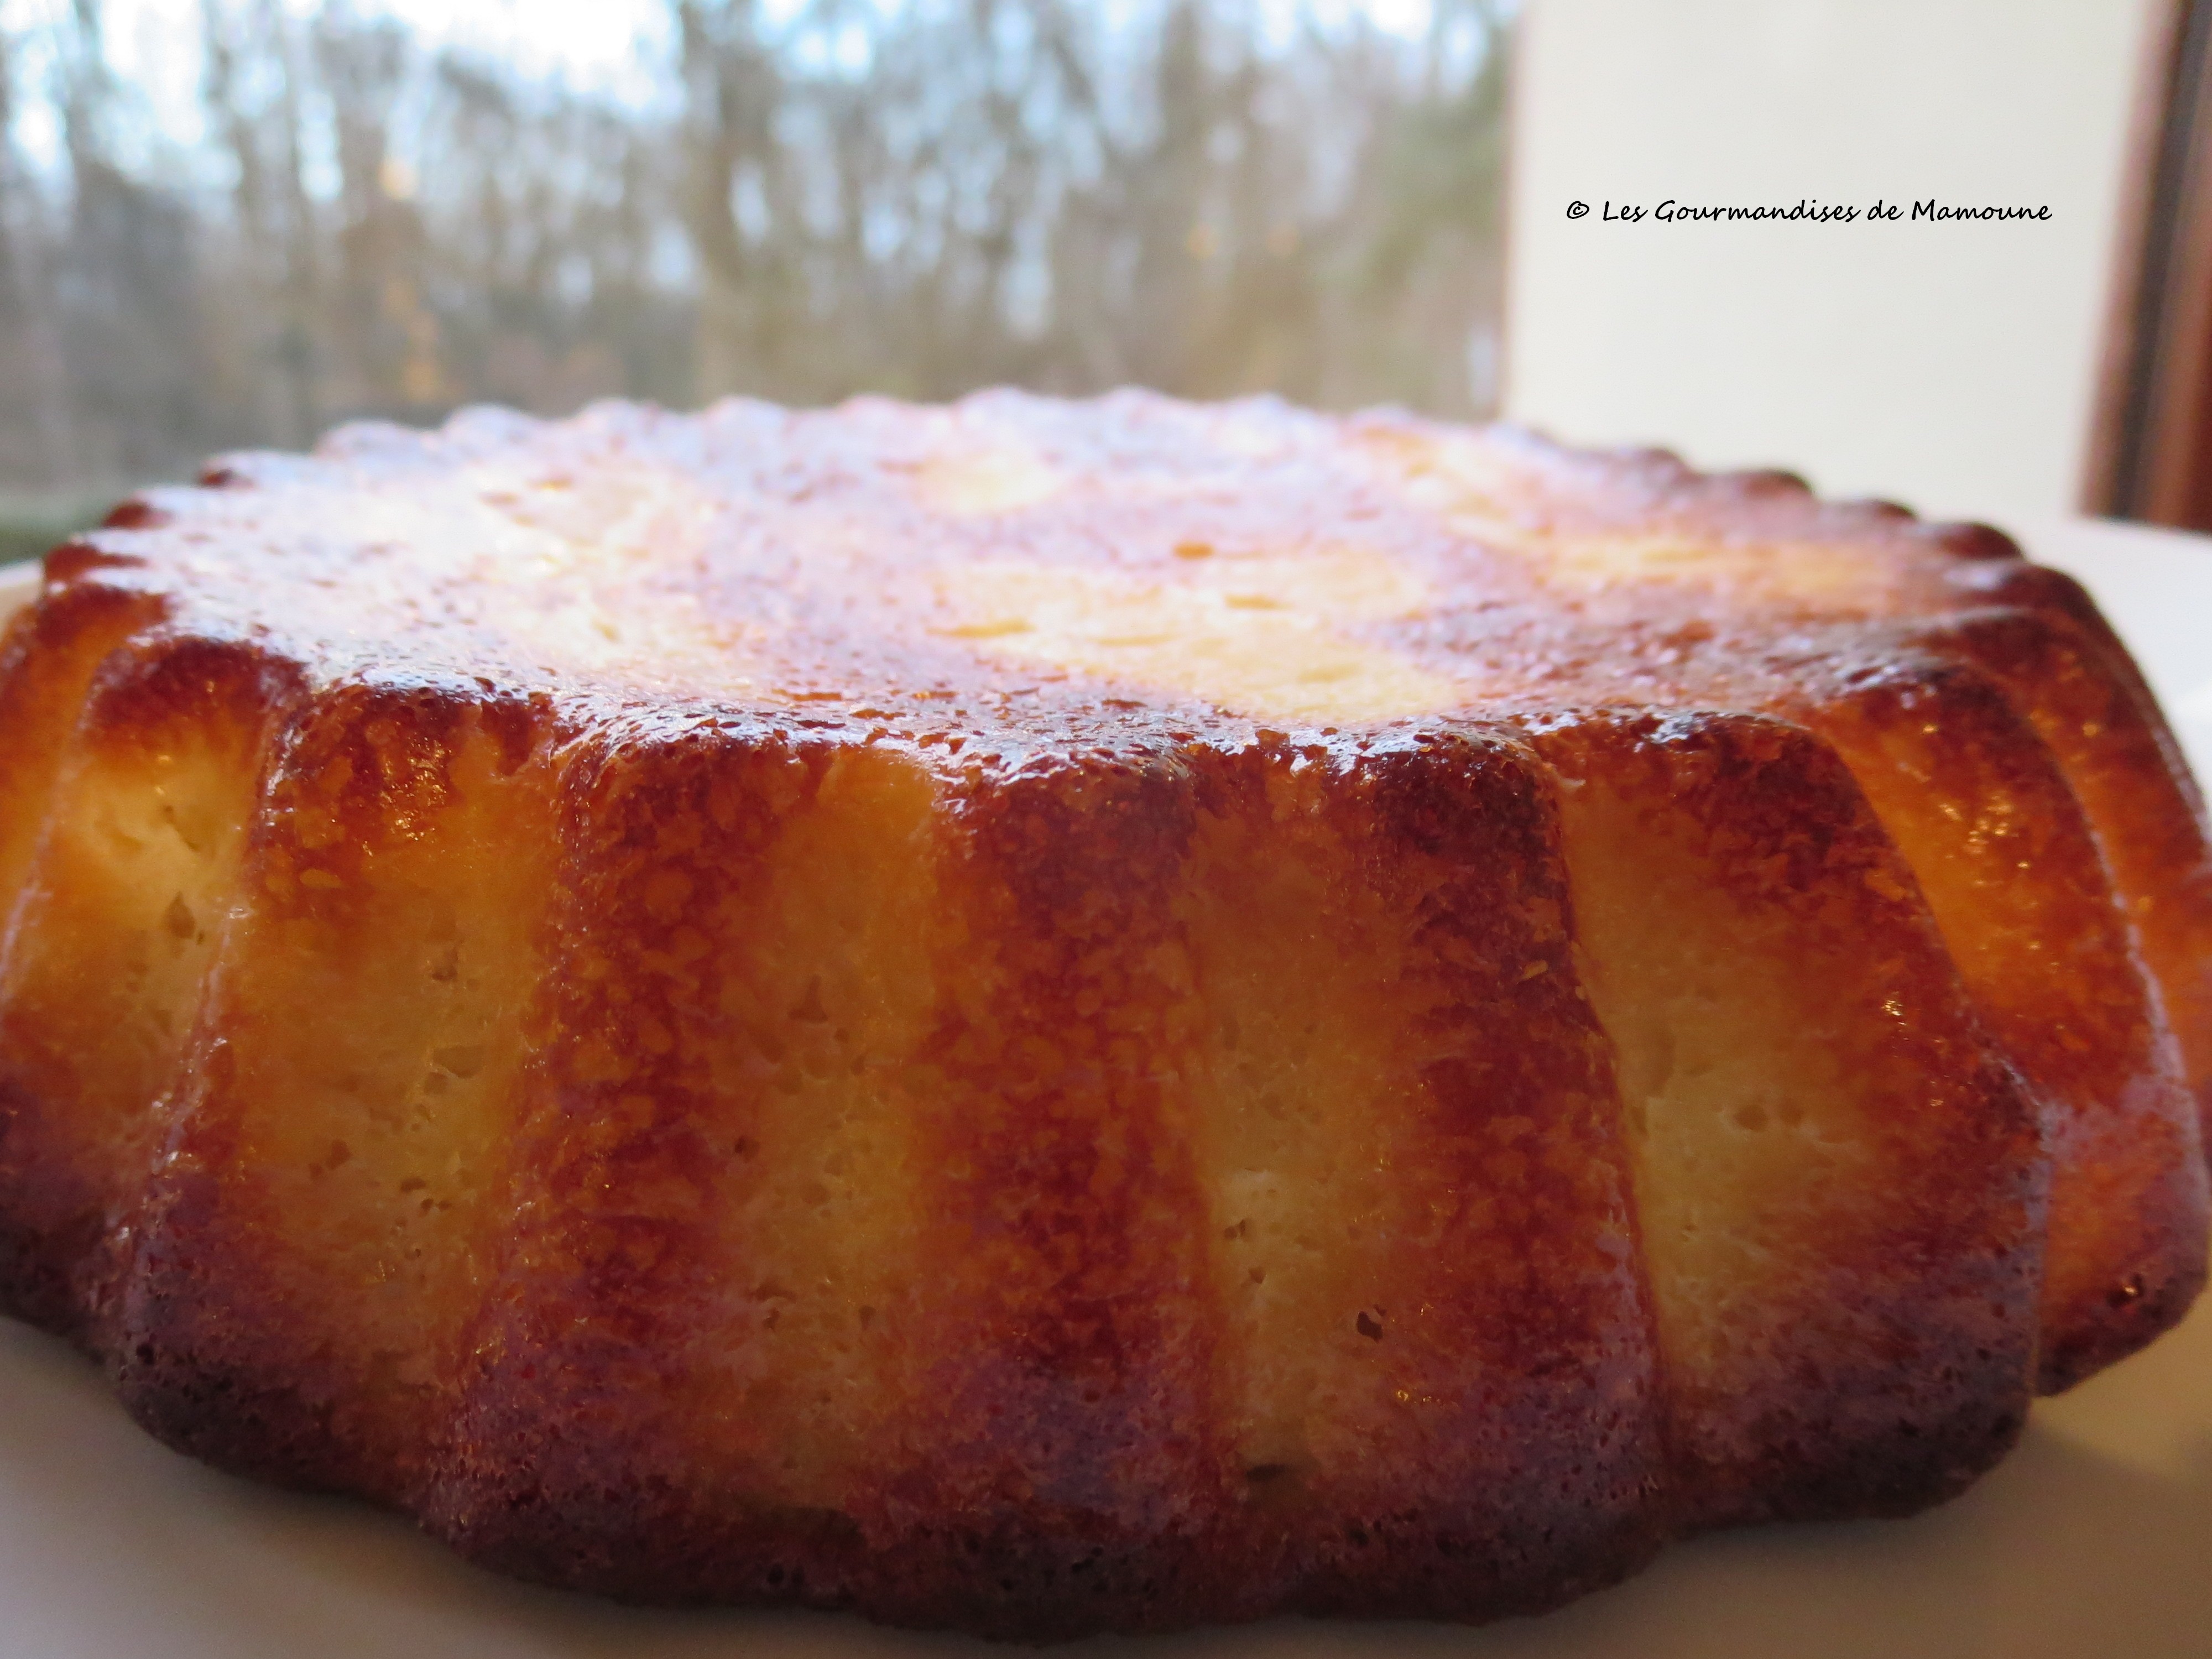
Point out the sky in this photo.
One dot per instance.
(593, 44)
(604, 46)
(154, 45)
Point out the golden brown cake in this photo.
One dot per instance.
(1045, 1016)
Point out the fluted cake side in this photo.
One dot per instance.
(1049, 1017)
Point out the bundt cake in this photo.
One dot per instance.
(1045, 1016)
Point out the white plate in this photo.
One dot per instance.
(2094, 1538)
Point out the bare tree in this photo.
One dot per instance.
(36, 443)
(918, 199)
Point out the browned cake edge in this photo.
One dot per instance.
(133, 1221)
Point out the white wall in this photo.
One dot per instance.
(1947, 366)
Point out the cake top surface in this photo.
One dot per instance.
(1012, 566)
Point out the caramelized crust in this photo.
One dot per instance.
(1842, 1191)
(1047, 1017)
(383, 874)
(109, 945)
(2061, 666)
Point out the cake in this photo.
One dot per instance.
(1045, 1016)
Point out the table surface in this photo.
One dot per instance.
(2095, 1537)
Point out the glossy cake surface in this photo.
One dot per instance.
(1048, 1017)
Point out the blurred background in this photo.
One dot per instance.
(235, 223)
(232, 222)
